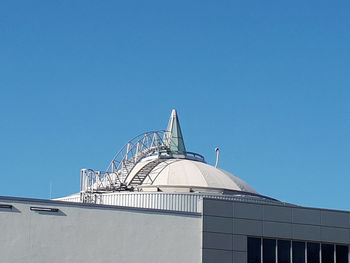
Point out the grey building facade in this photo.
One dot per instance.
(222, 231)
(239, 231)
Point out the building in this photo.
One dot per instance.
(158, 202)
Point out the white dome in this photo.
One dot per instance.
(186, 174)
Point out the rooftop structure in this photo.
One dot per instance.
(158, 163)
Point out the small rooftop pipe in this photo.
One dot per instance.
(217, 157)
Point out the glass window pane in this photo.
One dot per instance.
(327, 252)
(254, 250)
(269, 251)
(283, 251)
(298, 252)
(313, 253)
(342, 254)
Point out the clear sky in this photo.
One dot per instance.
(266, 81)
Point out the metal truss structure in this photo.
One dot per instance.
(115, 178)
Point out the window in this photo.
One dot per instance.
(313, 252)
(254, 250)
(283, 251)
(298, 252)
(342, 254)
(269, 251)
(327, 253)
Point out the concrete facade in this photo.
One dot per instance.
(99, 233)
(95, 233)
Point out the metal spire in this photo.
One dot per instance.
(175, 139)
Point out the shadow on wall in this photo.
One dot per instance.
(51, 211)
(9, 208)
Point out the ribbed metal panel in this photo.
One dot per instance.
(71, 198)
(187, 202)
(168, 201)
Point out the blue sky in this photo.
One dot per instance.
(266, 81)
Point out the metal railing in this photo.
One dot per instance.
(114, 178)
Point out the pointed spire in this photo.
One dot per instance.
(174, 135)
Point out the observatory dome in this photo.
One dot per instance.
(185, 175)
(174, 169)
(158, 162)
(155, 170)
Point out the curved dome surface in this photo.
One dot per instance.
(189, 173)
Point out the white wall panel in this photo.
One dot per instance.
(97, 234)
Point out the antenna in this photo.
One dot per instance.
(50, 189)
(217, 157)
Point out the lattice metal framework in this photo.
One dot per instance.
(114, 178)
(143, 145)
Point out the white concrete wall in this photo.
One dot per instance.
(94, 234)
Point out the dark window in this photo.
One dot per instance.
(327, 252)
(254, 250)
(298, 252)
(283, 251)
(313, 252)
(269, 251)
(342, 254)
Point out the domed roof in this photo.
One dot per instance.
(189, 175)
(159, 161)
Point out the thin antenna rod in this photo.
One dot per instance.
(217, 157)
